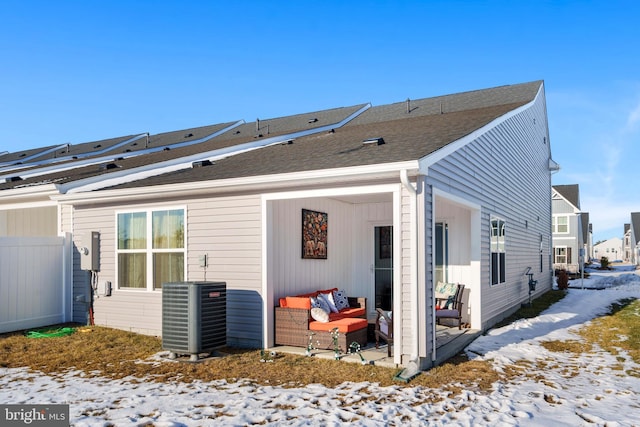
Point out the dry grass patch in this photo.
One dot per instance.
(117, 354)
(615, 332)
(113, 353)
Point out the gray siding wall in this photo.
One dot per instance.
(561, 207)
(226, 229)
(505, 171)
(29, 222)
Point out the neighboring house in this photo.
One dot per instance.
(414, 193)
(611, 248)
(570, 228)
(626, 244)
(634, 236)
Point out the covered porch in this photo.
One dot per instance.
(449, 342)
(355, 259)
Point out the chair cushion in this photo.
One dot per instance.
(347, 312)
(384, 326)
(298, 302)
(343, 325)
(445, 290)
(447, 313)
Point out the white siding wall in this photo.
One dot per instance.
(349, 252)
(293, 275)
(407, 324)
(34, 288)
(505, 171)
(365, 217)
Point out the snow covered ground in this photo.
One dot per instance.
(580, 391)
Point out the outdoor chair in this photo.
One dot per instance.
(384, 329)
(450, 307)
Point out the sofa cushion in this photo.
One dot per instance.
(298, 302)
(344, 325)
(347, 312)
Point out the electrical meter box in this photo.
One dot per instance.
(90, 252)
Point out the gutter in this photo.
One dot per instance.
(187, 189)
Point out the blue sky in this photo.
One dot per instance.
(78, 71)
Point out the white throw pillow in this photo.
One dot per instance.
(319, 315)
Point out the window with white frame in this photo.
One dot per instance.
(560, 224)
(498, 258)
(150, 248)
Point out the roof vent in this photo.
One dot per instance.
(13, 179)
(166, 149)
(408, 105)
(236, 132)
(108, 166)
(332, 131)
(201, 163)
(97, 146)
(378, 141)
(22, 155)
(315, 119)
(188, 135)
(288, 142)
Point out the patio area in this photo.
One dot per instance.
(449, 342)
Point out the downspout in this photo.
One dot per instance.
(404, 178)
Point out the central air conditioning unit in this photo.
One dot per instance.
(194, 317)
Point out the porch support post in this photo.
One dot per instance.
(413, 266)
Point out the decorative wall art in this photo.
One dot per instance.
(314, 234)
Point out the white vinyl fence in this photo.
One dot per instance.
(35, 282)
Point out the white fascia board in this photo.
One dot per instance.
(120, 177)
(450, 148)
(28, 197)
(333, 192)
(107, 158)
(203, 187)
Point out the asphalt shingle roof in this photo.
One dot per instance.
(430, 124)
(571, 192)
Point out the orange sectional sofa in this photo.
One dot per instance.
(294, 323)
